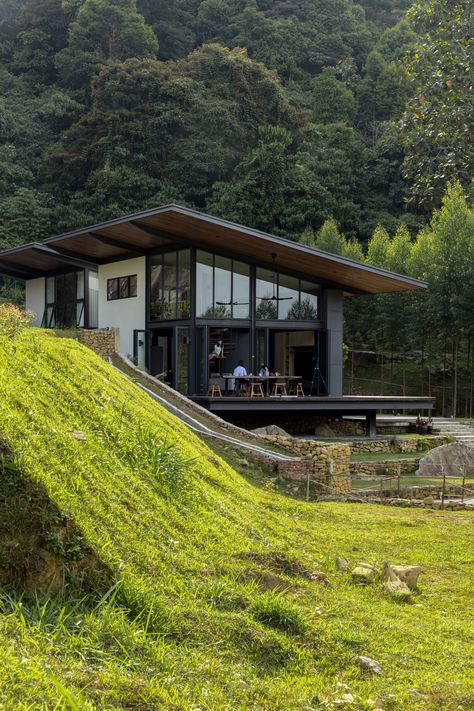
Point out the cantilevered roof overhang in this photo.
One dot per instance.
(174, 226)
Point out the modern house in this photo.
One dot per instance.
(192, 295)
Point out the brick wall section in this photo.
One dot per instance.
(102, 342)
(329, 463)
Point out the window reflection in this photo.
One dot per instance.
(170, 286)
(288, 297)
(204, 286)
(309, 301)
(222, 287)
(266, 290)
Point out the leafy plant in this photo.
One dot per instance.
(275, 610)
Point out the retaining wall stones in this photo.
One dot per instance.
(390, 467)
(398, 444)
(103, 342)
(329, 463)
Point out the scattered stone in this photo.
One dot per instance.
(320, 578)
(407, 573)
(364, 573)
(417, 694)
(397, 588)
(79, 435)
(369, 664)
(428, 500)
(387, 572)
(341, 565)
(244, 463)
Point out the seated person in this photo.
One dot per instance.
(264, 372)
(239, 372)
(217, 351)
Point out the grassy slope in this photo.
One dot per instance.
(193, 622)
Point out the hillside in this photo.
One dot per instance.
(185, 585)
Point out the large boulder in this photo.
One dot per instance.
(272, 430)
(450, 459)
(323, 430)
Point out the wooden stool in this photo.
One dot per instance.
(214, 390)
(296, 389)
(279, 388)
(255, 390)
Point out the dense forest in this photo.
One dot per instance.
(337, 123)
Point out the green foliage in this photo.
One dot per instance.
(101, 31)
(438, 124)
(274, 610)
(12, 321)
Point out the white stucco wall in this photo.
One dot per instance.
(35, 298)
(125, 314)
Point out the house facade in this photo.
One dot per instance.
(192, 295)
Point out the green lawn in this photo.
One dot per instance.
(203, 600)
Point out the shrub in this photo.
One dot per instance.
(13, 320)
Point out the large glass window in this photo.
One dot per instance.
(170, 286)
(285, 298)
(222, 287)
(309, 301)
(266, 290)
(65, 300)
(288, 298)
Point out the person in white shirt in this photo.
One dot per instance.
(239, 372)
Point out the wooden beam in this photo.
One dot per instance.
(118, 243)
(74, 261)
(156, 232)
(73, 255)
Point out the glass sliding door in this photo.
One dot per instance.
(140, 348)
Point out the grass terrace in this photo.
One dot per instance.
(183, 585)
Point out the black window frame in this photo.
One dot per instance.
(118, 290)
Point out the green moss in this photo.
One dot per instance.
(208, 602)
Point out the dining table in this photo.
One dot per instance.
(264, 379)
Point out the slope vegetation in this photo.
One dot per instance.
(184, 585)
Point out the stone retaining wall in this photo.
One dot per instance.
(103, 342)
(417, 492)
(398, 444)
(390, 467)
(329, 462)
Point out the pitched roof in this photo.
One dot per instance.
(172, 226)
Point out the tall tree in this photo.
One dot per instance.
(438, 124)
(104, 30)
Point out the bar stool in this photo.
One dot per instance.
(255, 390)
(296, 389)
(279, 388)
(214, 390)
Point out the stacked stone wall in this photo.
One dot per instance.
(103, 342)
(329, 463)
(390, 467)
(394, 444)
